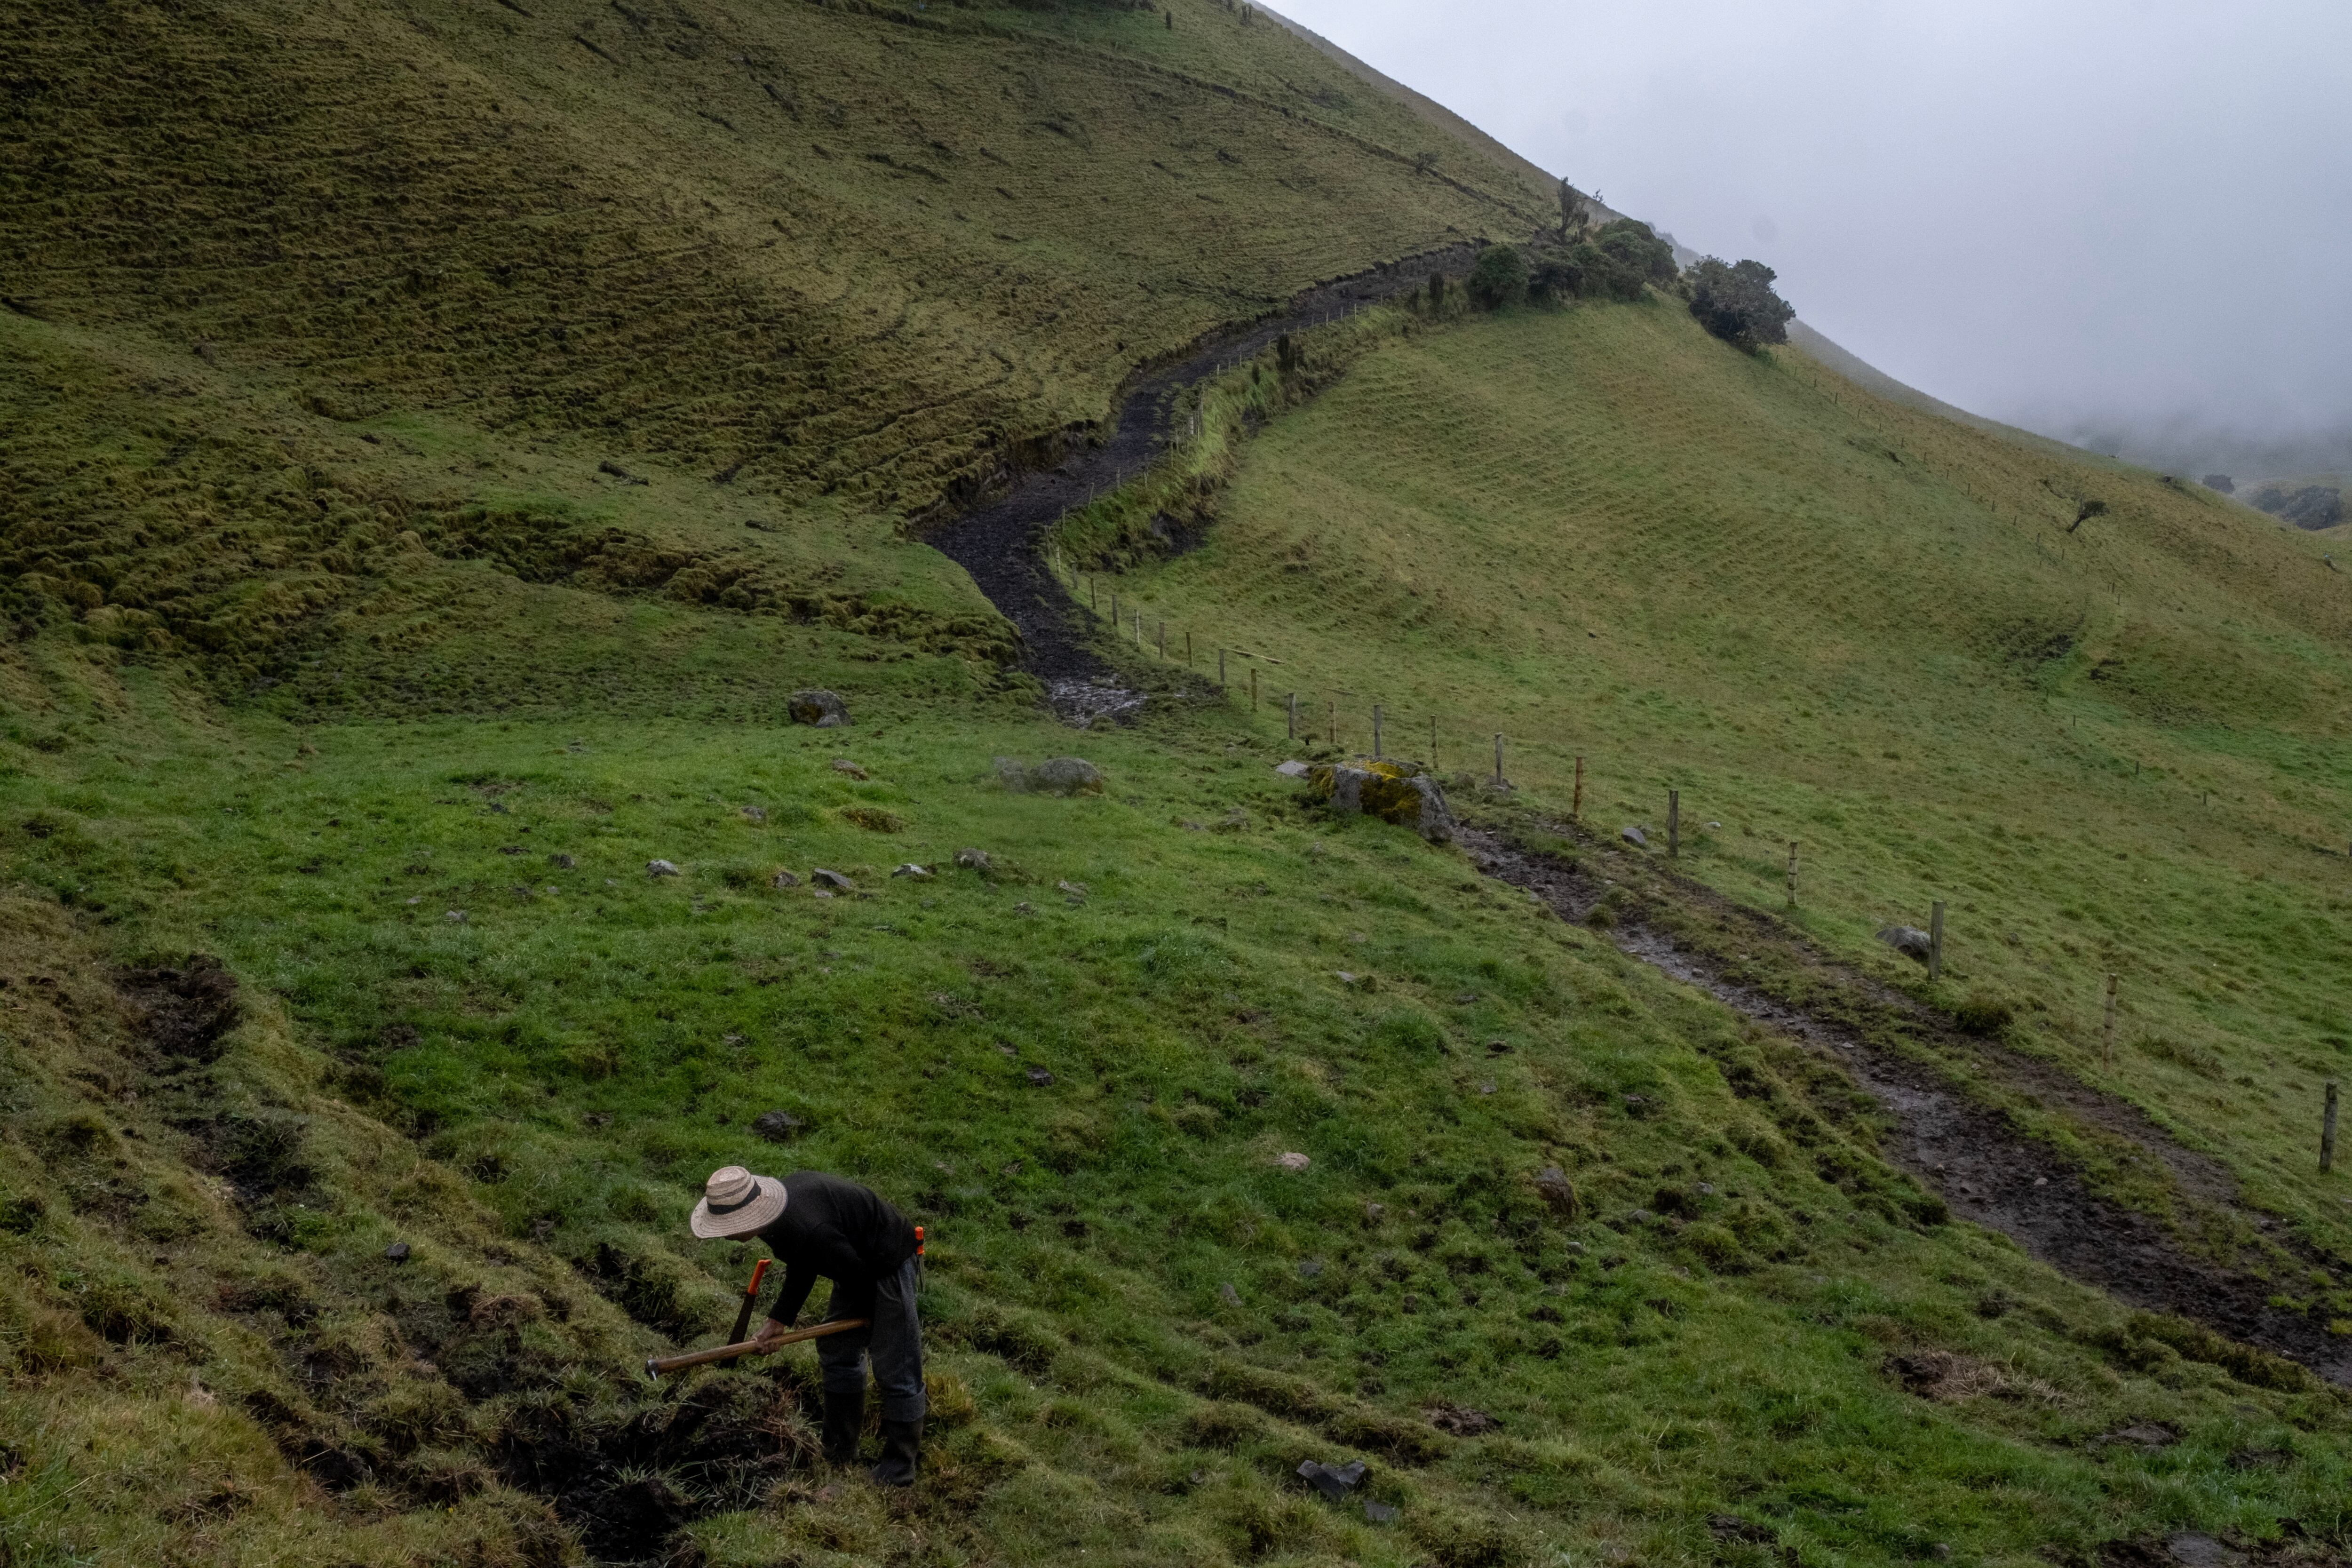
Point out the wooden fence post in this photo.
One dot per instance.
(2108, 1026)
(1093, 599)
(2327, 1131)
(1331, 716)
(1432, 743)
(1499, 760)
(1253, 688)
(1114, 612)
(1188, 649)
(1793, 873)
(1936, 941)
(1294, 715)
(1576, 801)
(1674, 824)
(1163, 636)
(1376, 731)
(1221, 670)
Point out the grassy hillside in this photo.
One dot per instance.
(1827, 618)
(1144, 1322)
(286, 283)
(434, 438)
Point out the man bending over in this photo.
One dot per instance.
(817, 1224)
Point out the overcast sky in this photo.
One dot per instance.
(2068, 213)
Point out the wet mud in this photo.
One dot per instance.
(1000, 542)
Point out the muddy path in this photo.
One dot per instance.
(1001, 540)
(1986, 1168)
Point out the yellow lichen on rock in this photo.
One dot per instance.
(1390, 791)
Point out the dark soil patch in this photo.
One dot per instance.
(1984, 1166)
(627, 1479)
(998, 541)
(187, 1011)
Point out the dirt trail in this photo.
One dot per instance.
(1000, 542)
(1985, 1168)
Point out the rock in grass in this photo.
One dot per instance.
(660, 869)
(397, 1252)
(784, 879)
(1066, 776)
(848, 769)
(1056, 776)
(1388, 791)
(1554, 1187)
(1379, 1513)
(1292, 770)
(833, 880)
(560, 862)
(1635, 837)
(973, 860)
(1291, 1160)
(2189, 1549)
(921, 873)
(1038, 1076)
(1334, 1481)
(1908, 941)
(819, 707)
(776, 1126)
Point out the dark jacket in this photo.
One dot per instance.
(840, 1230)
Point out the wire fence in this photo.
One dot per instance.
(1343, 718)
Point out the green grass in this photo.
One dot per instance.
(1828, 619)
(573, 1055)
(327, 622)
(286, 281)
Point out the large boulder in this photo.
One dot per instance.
(819, 707)
(1388, 791)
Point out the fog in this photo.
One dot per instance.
(2122, 222)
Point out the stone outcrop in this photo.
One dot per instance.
(824, 708)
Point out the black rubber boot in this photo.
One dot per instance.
(845, 1415)
(902, 1446)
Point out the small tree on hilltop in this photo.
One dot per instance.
(1575, 217)
(1737, 305)
(1632, 255)
(1616, 261)
(1499, 278)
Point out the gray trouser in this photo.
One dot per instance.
(892, 1339)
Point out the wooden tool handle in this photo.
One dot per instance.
(657, 1365)
(750, 1299)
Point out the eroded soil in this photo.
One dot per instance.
(1975, 1156)
(999, 542)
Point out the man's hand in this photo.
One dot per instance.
(770, 1331)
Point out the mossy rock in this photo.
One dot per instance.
(1390, 791)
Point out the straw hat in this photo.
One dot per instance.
(736, 1202)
